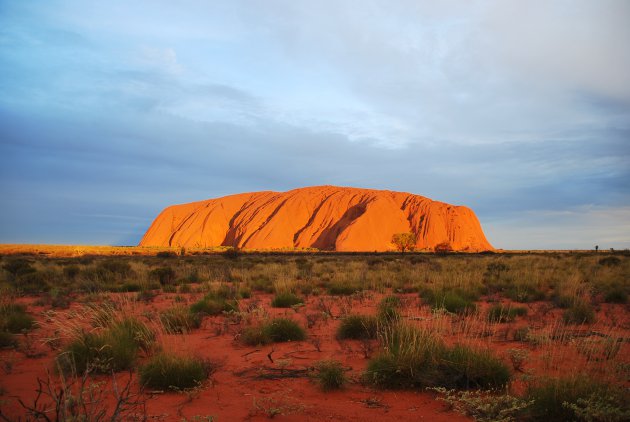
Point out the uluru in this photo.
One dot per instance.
(322, 217)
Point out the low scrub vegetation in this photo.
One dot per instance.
(167, 371)
(330, 375)
(275, 331)
(357, 327)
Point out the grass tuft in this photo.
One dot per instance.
(167, 371)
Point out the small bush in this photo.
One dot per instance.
(501, 313)
(609, 261)
(330, 375)
(343, 289)
(179, 319)
(284, 329)
(14, 319)
(7, 340)
(464, 367)
(388, 309)
(485, 406)
(357, 327)
(452, 301)
(165, 275)
(115, 348)
(410, 358)
(616, 295)
(167, 371)
(166, 254)
(566, 399)
(275, 331)
(580, 313)
(286, 300)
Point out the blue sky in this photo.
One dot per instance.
(110, 111)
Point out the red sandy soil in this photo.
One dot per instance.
(323, 217)
(234, 394)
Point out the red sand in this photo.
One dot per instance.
(324, 217)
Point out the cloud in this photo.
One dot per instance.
(517, 110)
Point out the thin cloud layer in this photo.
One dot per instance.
(110, 112)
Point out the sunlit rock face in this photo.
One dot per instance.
(321, 217)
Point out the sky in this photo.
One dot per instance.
(112, 110)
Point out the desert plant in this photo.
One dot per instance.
(572, 397)
(404, 241)
(277, 330)
(450, 300)
(179, 319)
(464, 367)
(286, 300)
(484, 406)
(501, 313)
(410, 358)
(357, 327)
(330, 374)
(167, 371)
(165, 275)
(388, 309)
(580, 313)
(616, 294)
(14, 319)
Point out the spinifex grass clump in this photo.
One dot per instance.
(114, 348)
(502, 313)
(275, 331)
(577, 397)
(417, 358)
(580, 313)
(168, 371)
(388, 309)
(455, 301)
(14, 319)
(411, 358)
(357, 327)
(286, 300)
(222, 299)
(343, 289)
(179, 319)
(330, 374)
(464, 367)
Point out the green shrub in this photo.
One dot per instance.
(464, 367)
(568, 398)
(388, 309)
(165, 275)
(483, 405)
(7, 340)
(417, 358)
(501, 313)
(167, 371)
(179, 319)
(255, 336)
(115, 348)
(410, 359)
(580, 313)
(452, 301)
(343, 289)
(166, 254)
(14, 319)
(609, 261)
(275, 331)
(330, 374)
(284, 329)
(285, 300)
(616, 295)
(211, 305)
(357, 327)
